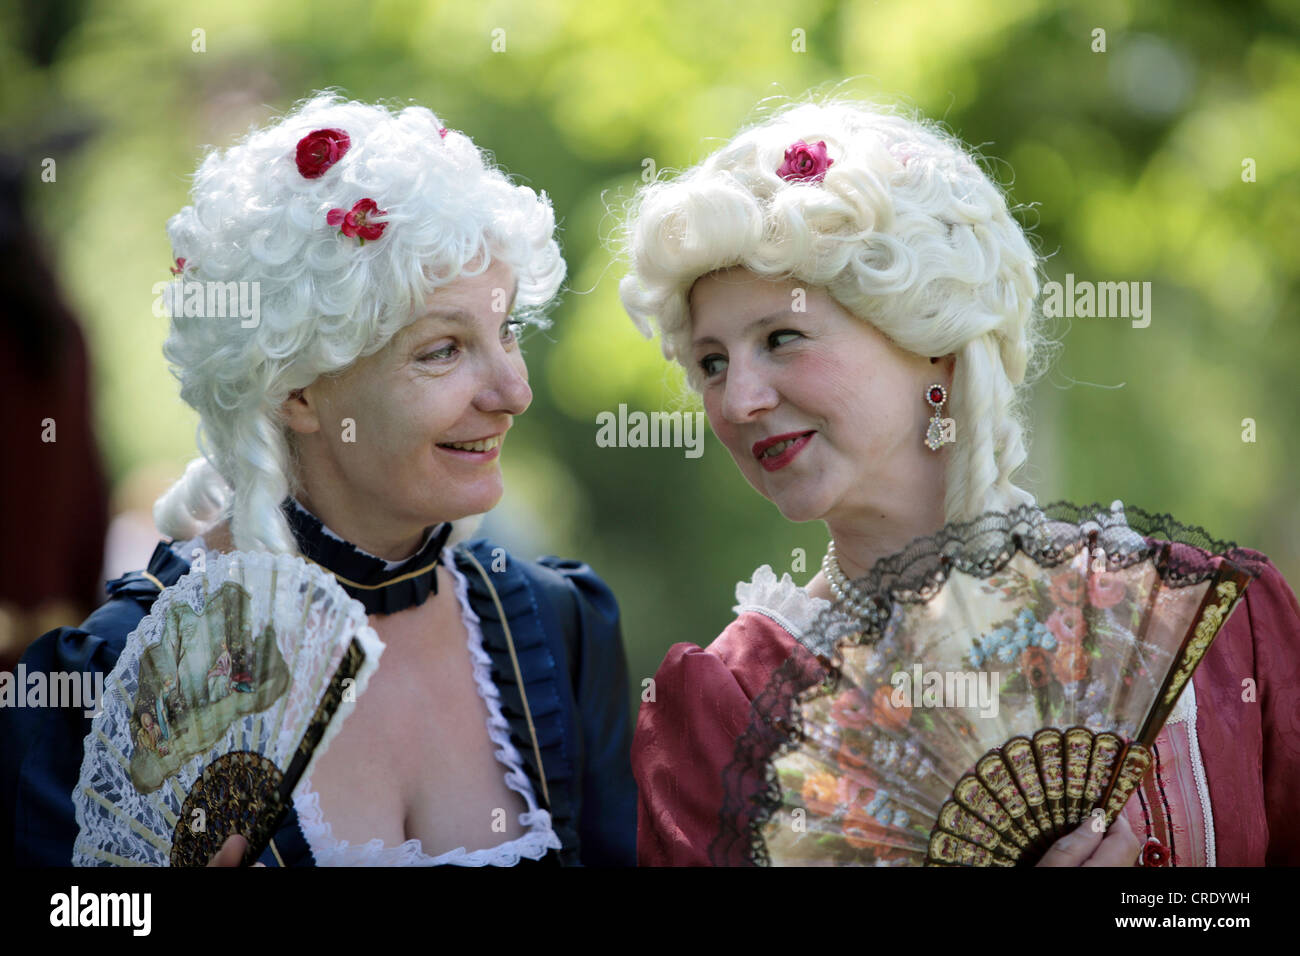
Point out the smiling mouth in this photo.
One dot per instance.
(773, 447)
(481, 445)
(776, 452)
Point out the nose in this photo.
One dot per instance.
(505, 385)
(746, 393)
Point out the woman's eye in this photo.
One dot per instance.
(510, 331)
(711, 365)
(783, 336)
(439, 355)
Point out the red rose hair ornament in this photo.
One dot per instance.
(357, 221)
(319, 150)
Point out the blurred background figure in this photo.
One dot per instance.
(52, 483)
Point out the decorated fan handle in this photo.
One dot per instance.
(348, 668)
(1225, 591)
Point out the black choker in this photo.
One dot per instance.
(380, 589)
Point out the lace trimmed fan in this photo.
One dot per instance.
(225, 693)
(998, 684)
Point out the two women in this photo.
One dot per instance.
(832, 279)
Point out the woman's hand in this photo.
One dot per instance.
(1085, 846)
(231, 852)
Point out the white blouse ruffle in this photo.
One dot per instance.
(783, 601)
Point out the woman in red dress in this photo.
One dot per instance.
(818, 277)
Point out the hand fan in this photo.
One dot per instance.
(983, 692)
(228, 690)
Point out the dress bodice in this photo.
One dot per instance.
(533, 844)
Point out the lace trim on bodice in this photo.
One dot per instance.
(783, 601)
(533, 845)
(1185, 712)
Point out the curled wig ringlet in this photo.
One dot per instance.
(325, 299)
(905, 231)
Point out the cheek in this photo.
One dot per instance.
(823, 387)
(403, 421)
(723, 429)
(853, 393)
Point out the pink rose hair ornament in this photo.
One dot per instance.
(805, 163)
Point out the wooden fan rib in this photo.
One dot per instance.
(108, 857)
(954, 851)
(993, 773)
(113, 752)
(129, 820)
(1018, 755)
(1133, 767)
(166, 812)
(1221, 598)
(961, 823)
(1106, 751)
(974, 796)
(176, 789)
(1049, 749)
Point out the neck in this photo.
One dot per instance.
(383, 536)
(863, 539)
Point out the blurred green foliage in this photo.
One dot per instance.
(1127, 164)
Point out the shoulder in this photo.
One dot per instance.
(1271, 593)
(780, 599)
(718, 682)
(566, 586)
(1264, 628)
(96, 643)
(772, 614)
(1268, 614)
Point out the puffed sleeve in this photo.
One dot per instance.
(607, 822)
(1274, 618)
(684, 739)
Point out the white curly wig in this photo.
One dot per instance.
(326, 300)
(905, 232)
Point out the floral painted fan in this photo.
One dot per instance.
(982, 693)
(222, 697)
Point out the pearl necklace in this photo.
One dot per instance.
(844, 590)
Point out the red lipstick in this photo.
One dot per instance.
(797, 440)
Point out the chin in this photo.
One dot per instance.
(469, 501)
(796, 507)
(470, 506)
(798, 512)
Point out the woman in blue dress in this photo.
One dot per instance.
(353, 410)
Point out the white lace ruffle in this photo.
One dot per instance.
(532, 845)
(1185, 711)
(783, 601)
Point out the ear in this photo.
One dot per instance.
(300, 412)
(945, 364)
